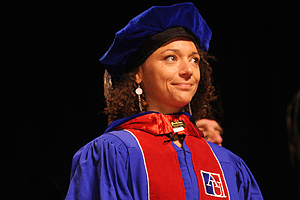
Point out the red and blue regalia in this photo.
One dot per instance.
(134, 159)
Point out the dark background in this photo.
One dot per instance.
(55, 89)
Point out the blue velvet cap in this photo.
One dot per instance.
(153, 21)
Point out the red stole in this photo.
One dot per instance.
(165, 179)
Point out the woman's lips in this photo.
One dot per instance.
(184, 86)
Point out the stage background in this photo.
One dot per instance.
(55, 86)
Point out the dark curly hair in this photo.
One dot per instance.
(123, 101)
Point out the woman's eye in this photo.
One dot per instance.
(195, 60)
(170, 58)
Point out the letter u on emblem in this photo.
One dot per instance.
(213, 184)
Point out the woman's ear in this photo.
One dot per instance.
(138, 76)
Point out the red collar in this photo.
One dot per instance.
(160, 124)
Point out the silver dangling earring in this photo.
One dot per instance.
(190, 109)
(139, 92)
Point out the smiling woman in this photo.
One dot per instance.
(173, 70)
(178, 70)
(152, 149)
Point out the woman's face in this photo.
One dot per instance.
(170, 76)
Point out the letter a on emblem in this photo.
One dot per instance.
(212, 184)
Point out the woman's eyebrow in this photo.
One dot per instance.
(195, 53)
(177, 50)
(174, 50)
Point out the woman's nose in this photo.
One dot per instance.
(186, 70)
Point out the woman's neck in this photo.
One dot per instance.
(164, 109)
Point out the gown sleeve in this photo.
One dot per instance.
(246, 184)
(240, 181)
(99, 171)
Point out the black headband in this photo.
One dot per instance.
(156, 41)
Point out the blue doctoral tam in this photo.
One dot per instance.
(149, 23)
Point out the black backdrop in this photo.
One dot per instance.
(56, 91)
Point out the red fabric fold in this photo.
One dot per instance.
(160, 124)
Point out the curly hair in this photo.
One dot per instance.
(123, 101)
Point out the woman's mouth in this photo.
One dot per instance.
(183, 86)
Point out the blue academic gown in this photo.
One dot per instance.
(112, 167)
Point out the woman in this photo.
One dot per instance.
(152, 148)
